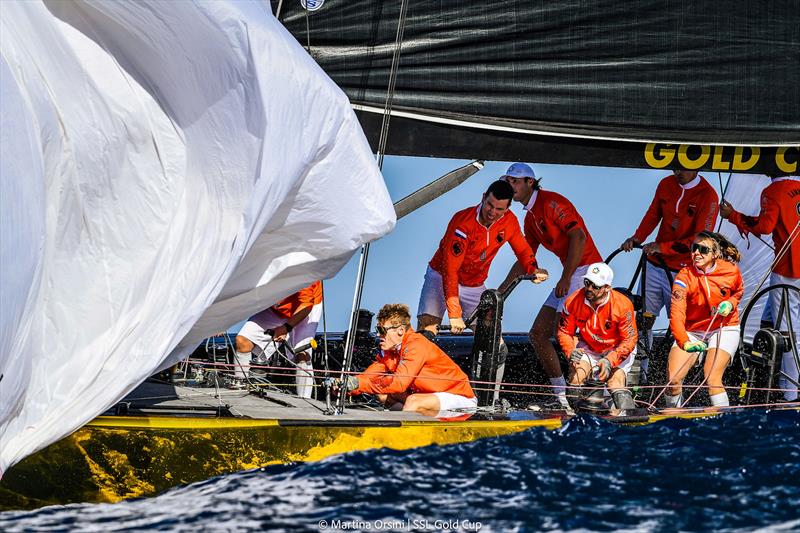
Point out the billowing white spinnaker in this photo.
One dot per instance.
(168, 168)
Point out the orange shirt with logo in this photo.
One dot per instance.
(609, 329)
(417, 366)
(467, 249)
(549, 218)
(683, 213)
(307, 297)
(780, 214)
(696, 293)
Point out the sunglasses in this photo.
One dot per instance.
(589, 285)
(700, 248)
(383, 331)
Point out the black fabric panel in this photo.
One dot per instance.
(683, 71)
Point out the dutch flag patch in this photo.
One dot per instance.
(680, 284)
(460, 233)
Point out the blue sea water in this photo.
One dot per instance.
(731, 473)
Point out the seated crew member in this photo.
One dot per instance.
(684, 205)
(294, 320)
(456, 273)
(412, 373)
(603, 321)
(780, 215)
(552, 221)
(704, 315)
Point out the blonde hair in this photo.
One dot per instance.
(397, 314)
(722, 246)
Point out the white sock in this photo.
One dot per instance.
(241, 365)
(304, 379)
(560, 388)
(719, 400)
(673, 401)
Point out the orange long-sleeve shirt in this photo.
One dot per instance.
(683, 211)
(695, 293)
(467, 249)
(549, 218)
(780, 214)
(306, 297)
(609, 328)
(418, 366)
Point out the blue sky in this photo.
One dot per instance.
(612, 201)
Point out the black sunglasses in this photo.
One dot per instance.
(589, 285)
(383, 331)
(700, 248)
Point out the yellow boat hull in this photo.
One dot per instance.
(115, 458)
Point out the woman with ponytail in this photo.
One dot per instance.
(704, 315)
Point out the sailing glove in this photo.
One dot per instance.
(724, 308)
(575, 356)
(694, 346)
(604, 369)
(350, 383)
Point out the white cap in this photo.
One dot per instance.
(600, 274)
(520, 170)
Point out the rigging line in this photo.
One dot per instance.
(278, 11)
(349, 345)
(778, 256)
(722, 191)
(308, 31)
(669, 381)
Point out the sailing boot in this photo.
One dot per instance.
(241, 365)
(304, 379)
(623, 401)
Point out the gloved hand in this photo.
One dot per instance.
(695, 346)
(724, 308)
(575, 356)
(603, 369)
(350, 383)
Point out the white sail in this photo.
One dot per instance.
(168, 168)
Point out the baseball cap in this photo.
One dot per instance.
(600, 274)
(520, 170)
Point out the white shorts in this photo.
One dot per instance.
(575, 283)
(658, 292)
(431, 299)
(725, 339)
(453, 405)
(593, 357)
(255, 330)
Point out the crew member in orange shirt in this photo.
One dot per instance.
(553, 222)
(684, 205)
(704, 315)
(294, 319)
(412, 373)
(456, 273)
(602, 319)
(780, 216)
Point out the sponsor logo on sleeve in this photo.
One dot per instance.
(458, 248)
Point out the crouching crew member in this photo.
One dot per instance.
(780, 216)
(455, 275)
(411, 373)
(704, 315)
(294, 320)
(602, 319)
